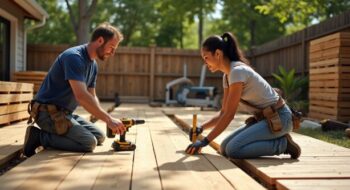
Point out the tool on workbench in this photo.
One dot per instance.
(122, 144)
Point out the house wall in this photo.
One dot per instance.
(15, 15)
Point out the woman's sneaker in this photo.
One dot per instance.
(292, 147)
(31, 140)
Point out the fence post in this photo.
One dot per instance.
(151, 75)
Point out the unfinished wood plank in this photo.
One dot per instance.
(8, 118)
(11, 108)
(338, 35)
(11, 98)
(85, 172)
(329, 44)
(330, 62)
(116, 170)
(236, 176)
(145, 170)
(321, 184)
(321, 116)
(174, 164)
(49, 166)
(15, 87)
(333, 104)
(318, 160)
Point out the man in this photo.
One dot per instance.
(70, 81)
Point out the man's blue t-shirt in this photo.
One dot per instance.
(72, 64)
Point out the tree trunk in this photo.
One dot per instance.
(252, 34)
(200, 26)
(84, 23)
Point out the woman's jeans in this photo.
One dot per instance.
(257, 140)
(83, 136)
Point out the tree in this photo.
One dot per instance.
(250, 26)
(302, 13)
(57, 27)
(81, 25)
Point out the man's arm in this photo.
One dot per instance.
(91, 104)
(92, 91)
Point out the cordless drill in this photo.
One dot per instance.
(122, 144)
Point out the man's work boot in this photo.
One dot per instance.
(31, 141)
(292, 147)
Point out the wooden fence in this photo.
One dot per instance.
(136, 74)
(141, 73)
(293, 51)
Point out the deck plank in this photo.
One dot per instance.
(334, 184)
(319, 159)
(145, 171)
(177, 169)
(116, 171)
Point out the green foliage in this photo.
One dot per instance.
(57, 30)
(302, 12)
(172, 23)
(249, 25)
(289, 84)
(335, 137)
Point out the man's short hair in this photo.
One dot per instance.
(107, 32)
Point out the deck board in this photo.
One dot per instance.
(159, 161)
(319, 159)
(334, 184)
(177, 169)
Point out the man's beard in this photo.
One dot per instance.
(100, 52)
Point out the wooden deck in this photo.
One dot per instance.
(320, 162)
(159, 162)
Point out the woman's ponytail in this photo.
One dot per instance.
(228, 44)
(231, 49)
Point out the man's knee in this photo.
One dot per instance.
(100, 139)
(90, 144)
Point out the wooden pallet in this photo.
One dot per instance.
(34, 77)
(14, 98)
(329, 73)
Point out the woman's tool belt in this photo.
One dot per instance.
(272, 117)
(269, 113)
(58, 116)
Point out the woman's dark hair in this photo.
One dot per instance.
(228, 44)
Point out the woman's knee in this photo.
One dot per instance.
(232, 149)
(222, 149)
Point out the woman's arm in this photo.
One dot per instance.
(229, 110)
(213, 121)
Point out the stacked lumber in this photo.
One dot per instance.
(329, 92)
(35, 77)
(14, 98)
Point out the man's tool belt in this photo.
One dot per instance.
(58, 116)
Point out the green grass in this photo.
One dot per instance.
(334, 137)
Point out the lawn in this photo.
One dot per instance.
(336, 137)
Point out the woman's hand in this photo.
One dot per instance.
(196, 147)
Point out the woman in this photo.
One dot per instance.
(269, 135)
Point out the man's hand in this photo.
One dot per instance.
(199, 130)
(116, 126)
(196, 147)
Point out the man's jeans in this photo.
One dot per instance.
(83, 136)
(257, 140)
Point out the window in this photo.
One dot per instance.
(4, 49)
